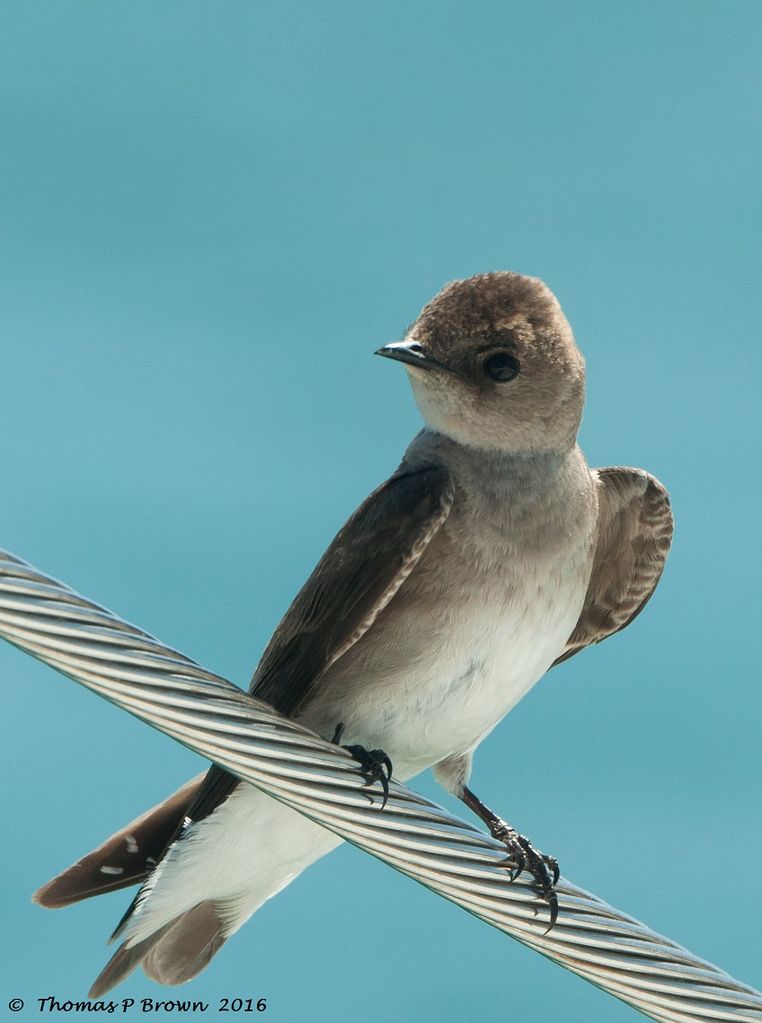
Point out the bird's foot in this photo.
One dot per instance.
(522, 855)
(375, 765)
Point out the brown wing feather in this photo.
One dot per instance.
(634, 534)
(127, 858)
(365, 565)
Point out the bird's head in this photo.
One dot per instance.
(493, 364)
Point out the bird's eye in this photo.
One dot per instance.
(501, 366)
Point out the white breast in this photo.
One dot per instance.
(443, 678)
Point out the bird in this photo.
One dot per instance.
(490, 555)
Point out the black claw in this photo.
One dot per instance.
(523, 856)
(552, 900)
(552, 862)
(545, 879)
(515, 865)
(372, 763)
(384, 778)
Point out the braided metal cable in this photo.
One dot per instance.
(216, 719)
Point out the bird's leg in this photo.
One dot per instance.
(372, 763)
(522, 854)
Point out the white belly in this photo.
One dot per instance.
(470, 670)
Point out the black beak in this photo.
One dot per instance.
(411, 352)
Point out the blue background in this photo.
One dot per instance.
(211, 216)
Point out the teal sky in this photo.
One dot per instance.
(211, 216)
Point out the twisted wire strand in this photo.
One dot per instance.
(214, 718)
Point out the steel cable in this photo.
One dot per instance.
(247, 737)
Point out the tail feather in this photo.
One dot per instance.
(125, 859)
(123, 962)
(187, 947)
(208, 883)
(172, 955)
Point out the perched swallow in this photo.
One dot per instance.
(491, 554)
